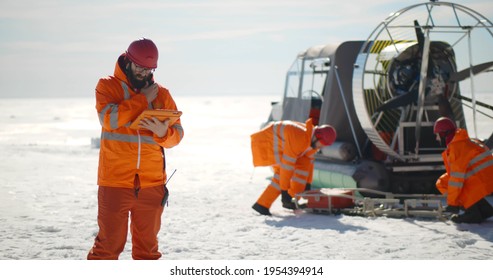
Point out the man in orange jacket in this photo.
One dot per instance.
(131, 173)
(289, 147)
(469, 165)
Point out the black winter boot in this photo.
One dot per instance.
(472, 215)
(261, 209)
(485, 208)
(287, 200)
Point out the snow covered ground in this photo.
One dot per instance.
(48, 201)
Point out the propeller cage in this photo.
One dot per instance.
(397, 97)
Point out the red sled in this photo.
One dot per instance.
(329, 199)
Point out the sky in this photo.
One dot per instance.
(57, 48)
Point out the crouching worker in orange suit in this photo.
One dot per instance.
(469, 165)
(131, 173)
(289, 147)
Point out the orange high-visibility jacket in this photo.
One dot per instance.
(469, 165)
(284, 143)
(126, 152)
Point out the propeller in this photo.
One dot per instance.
(407, 76)
(464, 74)
(408, 93)
(400, 100)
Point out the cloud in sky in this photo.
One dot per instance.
(61, 48)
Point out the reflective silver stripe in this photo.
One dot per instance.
(458, 175)
(275, 181)
(112, 136)
(456, 184)
(114, 116)
(277, 153)
(281, 135)
(113, 108)
(479, 168)
(299, 180)
(287, 166)
(480, 157)
(461, 177)
(276, 144)
(289, 159)
(302, 172)
(275, 185)
(101, 114)
(126, 93)
(179, 128)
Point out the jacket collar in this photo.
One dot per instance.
(460, 135)
(120, 69)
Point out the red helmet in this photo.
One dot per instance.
(326, 134)
(445, 128)
(444, 125)
(143, 52)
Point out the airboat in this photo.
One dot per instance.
(383, 95)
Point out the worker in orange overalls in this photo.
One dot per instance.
(467, 181)
(131, 173)
(289, 147)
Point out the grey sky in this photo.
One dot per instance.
(56, 48)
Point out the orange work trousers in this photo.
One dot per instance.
(273, 190)
(114, 207)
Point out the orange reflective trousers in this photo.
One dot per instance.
(273, 190)
(114, 206)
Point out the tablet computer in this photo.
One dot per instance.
(160, 114)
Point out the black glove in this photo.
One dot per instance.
(452, 209)
(287, 200)
(285, 197)
(308, 187)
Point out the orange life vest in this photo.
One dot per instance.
(125, 152)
